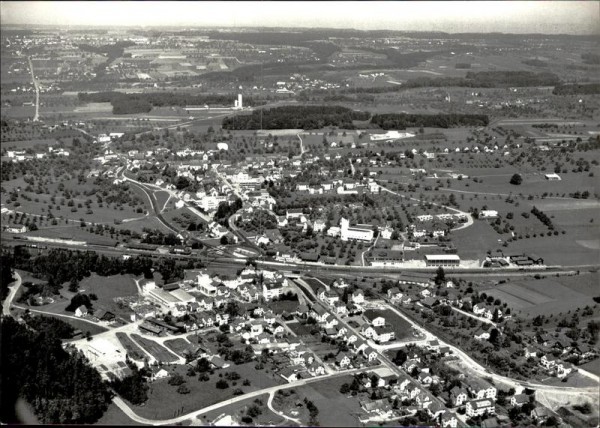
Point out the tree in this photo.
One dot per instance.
(440, 276)
(516, 179)
(222, 384)
(224, 240)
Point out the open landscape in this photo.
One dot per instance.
(335, 214)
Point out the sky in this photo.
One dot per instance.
(551, 17)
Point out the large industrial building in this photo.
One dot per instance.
(445, 260)
(347, 232)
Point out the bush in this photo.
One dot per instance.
(182, 389)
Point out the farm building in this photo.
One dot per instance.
(553, 177)
(446, 260)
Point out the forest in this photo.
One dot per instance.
(60, 266)
(577, 89)
(59, 386)
(296, 117)
(144, 102)
(403, 121)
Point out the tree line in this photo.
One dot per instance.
(403, 121)
(296, 117)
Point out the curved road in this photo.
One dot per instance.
(13, 288)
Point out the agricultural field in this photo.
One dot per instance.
(547, 295)
(159, 352)
(133, 350)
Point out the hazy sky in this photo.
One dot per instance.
(572, 17)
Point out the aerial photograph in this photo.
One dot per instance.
(300, 213)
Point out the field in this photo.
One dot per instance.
(107, 288)
(159, 352)
(335, 409)
(164, 400)
(299, 329)
(284, 306)
(80, 325)
(550, 294)
(401, 327)
(178, 346)
(133, 350)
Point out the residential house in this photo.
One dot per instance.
(480, 407)
(458, 396)
(519, 399)
(343, 360)
(358, 297)
(81, 311)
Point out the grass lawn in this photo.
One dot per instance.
(133, 350)
(335, 409)
(115, 416)
(159, 352)
(80, 325)
(592, 366)
(299, 328)
(284, 306)
(401, 327)
(107, 288)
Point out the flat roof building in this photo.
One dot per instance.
(448, 260)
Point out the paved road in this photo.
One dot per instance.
(13, 288)
(36, 117)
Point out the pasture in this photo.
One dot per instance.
(159, 352)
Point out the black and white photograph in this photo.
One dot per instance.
(300, 213)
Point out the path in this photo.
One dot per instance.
(59, 315)
(270, 406)
(301, 144)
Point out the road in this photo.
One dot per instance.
(134, 416)
(36, 117)
(13, 288)
(301, 145)
(54, 314)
